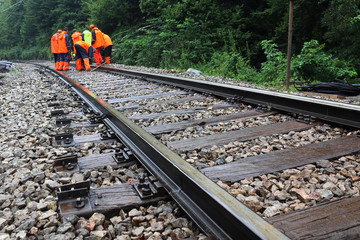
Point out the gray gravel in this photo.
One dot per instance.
(28, 206)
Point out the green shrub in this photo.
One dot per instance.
(231, 65)
(314, 64)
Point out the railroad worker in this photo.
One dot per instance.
(107, 48)
(97, 42)
(86, 36)
(84, 51)
(76, 36)
(55, 48)
(64, 49)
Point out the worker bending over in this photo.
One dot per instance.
(84, 51)
(107, 48)
(76, 36)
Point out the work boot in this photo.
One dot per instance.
(87, 64)
(107, 60)
(60, 66)
(79, 65)
(66, 66)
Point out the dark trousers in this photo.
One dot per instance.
(107, 51)
(64, 57)
(82, 53)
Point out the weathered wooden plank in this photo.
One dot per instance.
(333, 220)
(165, 128)
(179, 112)
(238, 135)
(124, 87)
(83, 125)
(72, 114)
(128, 93)
(283, 159)
(177, 100)
(95, 138)
(117, 197)
(79, 140)
(141, 97)
(101, 160)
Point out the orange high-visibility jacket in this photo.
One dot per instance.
(98, 38)
(107, 41)
(63, 42)
(76, 36)
(84, 45)
(55, 43)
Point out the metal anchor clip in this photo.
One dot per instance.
(87, 110)
(96, 118)
(65, 139)
(63, 121)
(56, 113)
(148, 187)
(304, 118)
(54, 104)
(263, 108)
(234, 99)
(66, 164)
(123, 155)
(73, 199)
(107, 134)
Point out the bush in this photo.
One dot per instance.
(313, 64)
(231, 65)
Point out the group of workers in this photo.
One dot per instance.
(84, 46)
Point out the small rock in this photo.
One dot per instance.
(272, 211)
(323, 163)
(134, 212)
(157, 226)
(229, 159)
(193, 71)
(4, 236)
(3, 223)
(48, 214)
(97, 218)
(63, 228)
(41, 206)
(138, 231)
(98, 234)
(51, 184)
(179, 223)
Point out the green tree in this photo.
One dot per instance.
(111, 15)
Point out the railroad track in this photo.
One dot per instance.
(277, 156)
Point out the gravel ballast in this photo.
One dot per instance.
(28, 185)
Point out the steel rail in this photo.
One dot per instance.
(215, 211)
(330, 111)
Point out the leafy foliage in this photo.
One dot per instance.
(219, 37)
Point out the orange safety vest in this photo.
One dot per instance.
(84, 45)
(55, 43)
(76, 36)
(99, 42)
(62, 43)
(107, 41)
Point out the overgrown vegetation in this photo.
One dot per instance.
(245, 40)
